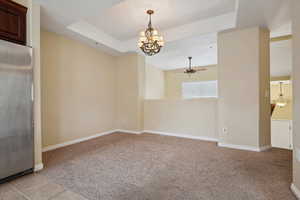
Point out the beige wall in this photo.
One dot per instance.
(196, 117)
(33, 39)
(154, 83)
(141, 87)
(78, 90)
(130, 77)
(36, 44)
(285, 113)
(264, 88)
(242, 87)
(296, 91)
(175, 78)
(85, 91)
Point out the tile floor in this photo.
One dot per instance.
(36, 187)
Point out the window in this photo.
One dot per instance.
(203, 89)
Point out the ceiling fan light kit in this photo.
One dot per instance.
(190, 70)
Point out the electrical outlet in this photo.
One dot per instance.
(225, 131)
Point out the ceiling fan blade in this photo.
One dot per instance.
(180, 72)
(196, 70)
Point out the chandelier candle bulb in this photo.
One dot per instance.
(142, 34)
(150, 41)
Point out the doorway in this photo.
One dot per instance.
(281, 92)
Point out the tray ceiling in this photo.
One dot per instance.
(189, 27)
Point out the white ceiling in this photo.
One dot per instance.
(175, 55)
(189, 27)
(268, 13)
(125, 20)
(281, 58)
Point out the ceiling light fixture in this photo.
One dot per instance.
(190, 70)
(281, 101)
(150, 41)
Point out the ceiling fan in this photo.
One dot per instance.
(190, 70)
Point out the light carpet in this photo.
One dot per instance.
(151, 167)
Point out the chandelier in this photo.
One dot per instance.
(150, 41)
(281, 101)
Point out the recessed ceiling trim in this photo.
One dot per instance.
(198, 28)
(201, 27)
(87, 30)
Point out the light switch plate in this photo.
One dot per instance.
(298, 154)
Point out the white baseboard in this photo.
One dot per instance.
(295, 190)
(56, 146)
(128, 131)
(183, 136)
(244, 147)
(265, 148)
(38, 167)
(203, 138)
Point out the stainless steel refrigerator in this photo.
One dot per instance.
(16, 111)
